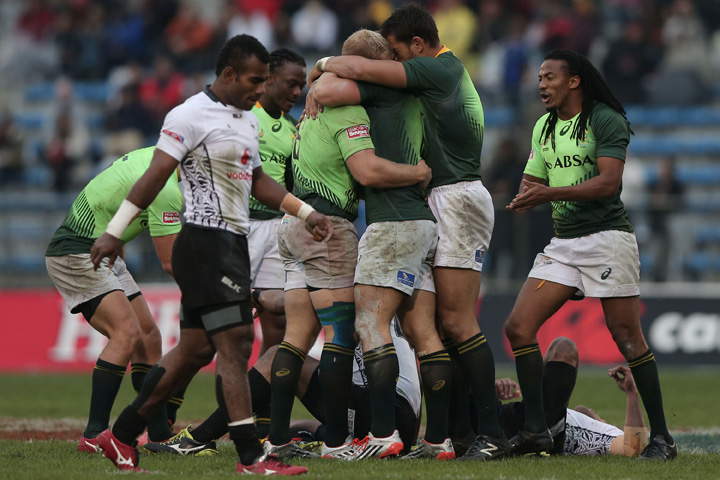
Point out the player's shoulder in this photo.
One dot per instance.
(604, 112)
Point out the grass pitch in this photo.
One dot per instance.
(35, 404)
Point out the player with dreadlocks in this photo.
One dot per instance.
(578, 149)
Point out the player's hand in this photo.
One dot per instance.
(313, 75)
(320, 227)
(532, 194)
(312, 107)
(624, 378)
(257, 305)
(426, 173)
(105, 246)
(507, 389)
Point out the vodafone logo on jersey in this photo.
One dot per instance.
(174, 135)
(358, 131)
(245, 157)
(240, 176)
(171, 217)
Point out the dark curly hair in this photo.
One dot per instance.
(410, 21)
(237, 49)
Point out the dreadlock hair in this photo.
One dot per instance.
(410, 21)
(593, 87)
(237, 49)
(281, 56)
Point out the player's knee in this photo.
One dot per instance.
(341, 316)
(562, 349)
(517, 333)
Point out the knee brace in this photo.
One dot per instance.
(341, 316)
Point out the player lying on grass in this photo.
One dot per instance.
(578, 431)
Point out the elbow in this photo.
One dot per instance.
(167, 267)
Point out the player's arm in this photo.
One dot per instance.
(163, 248)
(330, 91)
(604, 185)
(138, 198)
(382, 72)
(635, 436)
(270, 193)
(377, 172)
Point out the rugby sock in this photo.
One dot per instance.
(644, 370)
(476, 361)
(459, 425)
(106, 380)
(129, 425)
(174, 405)
(260, 391)
(214, 427)
(336, 365)
(436, 375)
(529, 367)
(158, 427)
(246, 441)
(558, 379)
(313, 397)
(286, 369)
(382, 370)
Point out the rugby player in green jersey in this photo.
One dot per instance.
(394, 271)
(283, 87)
(332, 155)
(109, 299)
(454, 127)
(576, 163)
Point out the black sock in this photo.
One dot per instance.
(529, 367)
(173, 406)
(382, 370)
(129, 425)
(558, 384)
(246, 443)
(261, 393)
(644, 370)
(158, 426)
(106, 380)
(336, 364)
(459, 425)
(476, 361)
(436, 375)
(313, 397)
(286, 369)
(214, 427)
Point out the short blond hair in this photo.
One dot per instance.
(368, 44)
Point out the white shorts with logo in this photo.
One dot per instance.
(324, 265)
(78, 282)
(266, 266)
(465, 216)
(398, 255)
(601, 265)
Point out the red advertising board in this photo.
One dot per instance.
(40, 334)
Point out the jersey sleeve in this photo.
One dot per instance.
(256, 158)
(536, 162)
(612, 133)
(164, 211)
(179, 133)
(368, 92)
(351, 130)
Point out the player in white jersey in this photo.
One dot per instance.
(215, 140)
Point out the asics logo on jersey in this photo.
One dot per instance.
(566, 128)
(606, 273)
(438, 385)
(276, 127)
(120, 460)
(282, 372)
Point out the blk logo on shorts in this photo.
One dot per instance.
(406, 278)
(606, 273)
(479, 255)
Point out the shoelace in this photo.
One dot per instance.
(360, 444)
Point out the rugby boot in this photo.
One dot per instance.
(529, 443)
(487, 448)
(659, 449)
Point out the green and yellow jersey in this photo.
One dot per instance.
(98, 202)
(396, 129)
(276, 137)
(321, 148)
(572, 163)
(454, 119)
